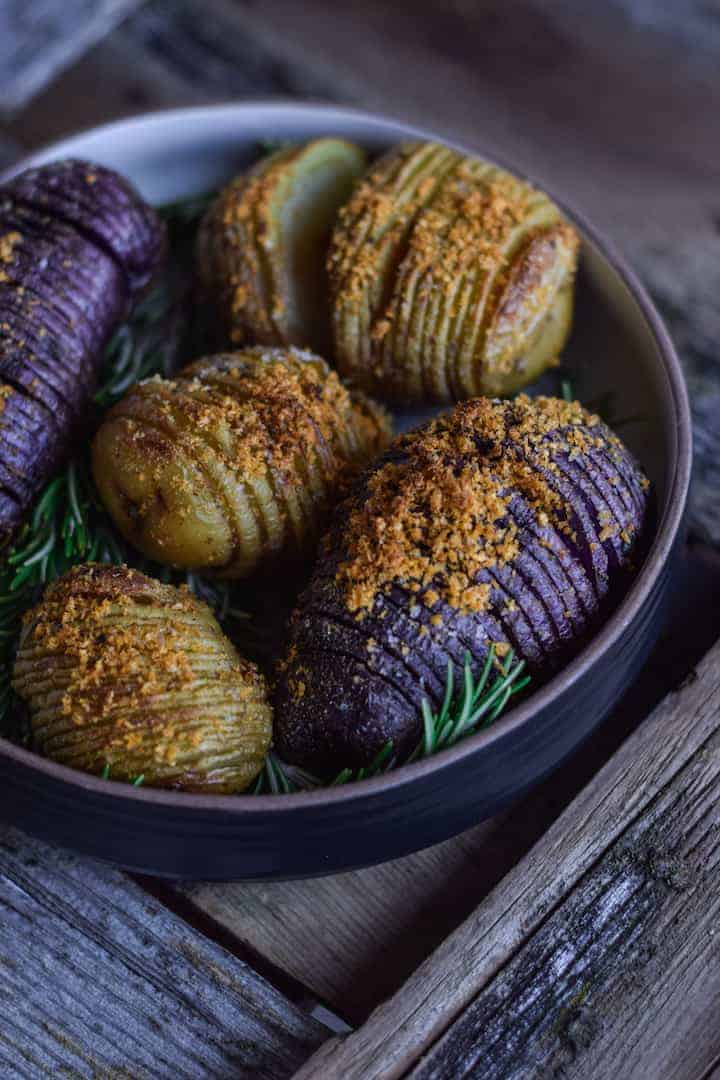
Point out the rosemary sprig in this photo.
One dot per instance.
(475, 704)
(140, 347)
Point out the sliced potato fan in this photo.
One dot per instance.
(236, 461)
(449, 278)
(261, 247)
(128, 677)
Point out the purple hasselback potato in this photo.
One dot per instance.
(506, 523)
(100, 204)
(76, 244)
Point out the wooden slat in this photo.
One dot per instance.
(39, 38)
(171, 52)
(99, 980)
(607, 926)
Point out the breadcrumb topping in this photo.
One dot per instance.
(437, 513)
(120, 668)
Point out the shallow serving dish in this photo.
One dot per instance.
(619, 347)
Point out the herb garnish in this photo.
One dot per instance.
(475, 704)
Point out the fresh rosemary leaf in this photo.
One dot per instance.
(478, 703)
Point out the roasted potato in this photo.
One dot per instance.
(262, 245)
(236, 461)
(126, 676)
(449, 278)
(76, 243)
(505, 523)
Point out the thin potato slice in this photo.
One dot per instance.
(261, 247)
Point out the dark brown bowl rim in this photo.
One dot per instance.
(666, 533)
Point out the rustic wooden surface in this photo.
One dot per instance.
(99, 980)
(598, 952)
(40, 37)
(616, 106)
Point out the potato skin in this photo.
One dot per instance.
(261, 246)
(511, 523)
(449, 278)
(76, 243)
(101, 205)
(236, 461)
(120, 671)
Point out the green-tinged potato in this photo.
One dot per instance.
(128, 677)
(236, 461)
(261, 247)
(449, 278)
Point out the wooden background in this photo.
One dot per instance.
(617, 105)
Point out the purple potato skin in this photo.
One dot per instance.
(69, 274)
(102, 206)
(77, 244)
(351, 684)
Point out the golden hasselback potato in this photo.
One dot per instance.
(121, 672)
(261, 247)
(234, 461)
(449, 278)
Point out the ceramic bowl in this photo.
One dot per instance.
(619, 347)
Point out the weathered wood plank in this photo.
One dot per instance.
(624, 978)
(39, 39)
(98, 979)
(647, 826)
(170, 53)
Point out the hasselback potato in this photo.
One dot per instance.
(76, 243)
(505, 523)
(236, 460)
(449, 278)
(125, 675)
(261, 247)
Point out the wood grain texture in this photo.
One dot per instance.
(606, 921)
(170, 53)
(39, 39)
(100, 980)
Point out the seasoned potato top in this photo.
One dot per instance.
(450, 277)
(123, 671)
(236, 460)
(441, 507)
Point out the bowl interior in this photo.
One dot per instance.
(612, 351)
(618, 356)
